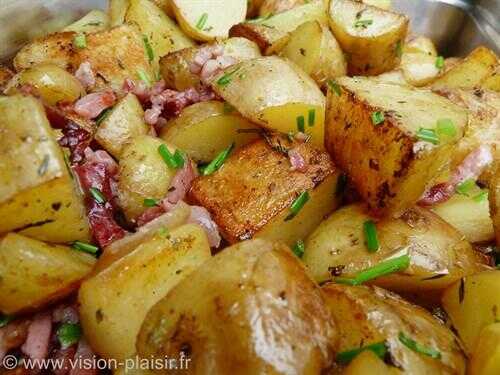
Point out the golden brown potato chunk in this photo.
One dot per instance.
(494, 198)
(251, 195)
(5, 76)
(269, 40)
(251, 309)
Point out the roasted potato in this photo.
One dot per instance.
(52, 83)
(439, 255)
(35, 274)
(122, 125)
(377, 132)
(279, 6)
(420, 44)
(143, 175)
(94, 21)
(5, 76)
(472, 304)
(469, 72)
(485, 359)
(275, 94)
(394, 76)
(492, 82)
(419, 69)
(117, 10)
(368, 363)
(252, 194)
(371, 37)
(366, 315)
(38, 196)
(203, 130)
(175, 67)
(384, 4)
(314, 49)
(269, 40)
(113, 303)
(253, 289)
(494, 199)
(288, 21)
(206, 20)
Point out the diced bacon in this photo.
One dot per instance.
(215, 66)
(297, 160)
(437, 194)
(64, 357)
(102, 222)
(77, 140)
(200, 216)
(13, 335)
(83, 355)
(150, 214)
(101, 156)
(36, 345)
(204, 55)
(85, 75)
(65, 314)
(91, 105)
(142, 92)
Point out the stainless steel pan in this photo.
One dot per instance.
(456, 26)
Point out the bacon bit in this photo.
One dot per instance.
(297, 160)
(102, 157)
(36, 345)
(91, 105)
(85, 75)
(83, 355)
(77, 140)
(150, 214)
(437, 194)
(13, 336)
(142, 92)
(200, 216)
(102, 222)
(209, 61)
(65, 314)
(64, 357)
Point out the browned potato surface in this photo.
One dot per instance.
(270, 40)
(494, 199)
(278, 6)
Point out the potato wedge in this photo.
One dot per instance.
(279, 6)
(117, 10)
(374, 132)
(472, 304)
(275, 94)
(394, 76)
(367, 315)
(203, 130)
(38, 196)
(469, 72)
(206, 20)
(420, 44)
(143, 175)
(115, 55)
(251, 195)
(439, 255)
(314, 49)
(35, 274)
(485, 359)
(94, 21)
(52, 83)
(175, 67)
(368, 363)
(5, 76)
(122, 125)
(288, 21)
(494, 199)
(492, 82)
(419, 69)
(370, 36)
(218, 304)
(384, 4)
(113, 303)
(269, 40)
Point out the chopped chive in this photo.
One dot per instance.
(446, 128)
(297, 205)
(85, 247)
(382, 269)
(301, 124)
(163, 232)
(362, 23)
(218, 161)
(69, 334)
(174, 161)
(299, 248)
(377, 118)
(144, 77)
(440, 62)
(149, 50)
(202, 21)
(44, 166)
(465, 187)
(399, 48)
(150, 202)
(97, 195)
(418, 348)
(5, 319)
(428, 135)
(481, 197)
(80, 41)
(227, 77)
(371, 236)
(379, 348)
(334, 86)
(311, 117)
(102, 116)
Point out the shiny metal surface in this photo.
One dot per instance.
(456, 26)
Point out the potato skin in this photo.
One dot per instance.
(278, 6)
(251, 309)
(367, 315)
(269, 40)
(494, 199)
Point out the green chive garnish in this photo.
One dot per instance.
(144, 77)
(377, 118)
(102, 116)
(299, 248)
(227, 77)
(428, 135)
(297, 205)
(334, 86)
(301, 124)
(371, 237)
(379, 348)
(69, 334)
(150, 202)
(445, 128)
(85, 247)
(5, 319)
(418, 348)
(80, 41)
(399, 48)
(440, 62)
(481, 197)
(466, 186)
(202, 21)
(218, 161)
(382, 269)
(362, 23)
(149, 50)
(311, 117)
(174, 161)
(97, 195)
